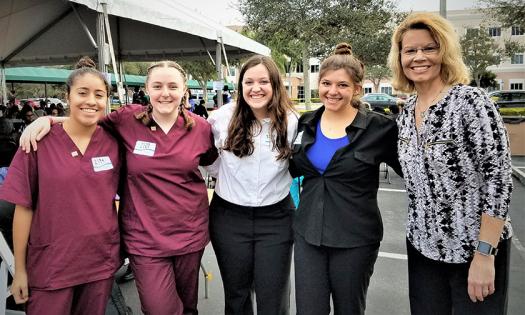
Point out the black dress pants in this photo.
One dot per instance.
(439, 288)
(253, 246)
(343, 273)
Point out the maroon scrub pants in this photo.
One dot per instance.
(167, 285)
(83, 299)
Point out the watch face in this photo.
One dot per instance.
(484, 248)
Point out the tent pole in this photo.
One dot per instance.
(218, 63)
(4, 86)
(101, 43)
(118, 81)
(225, 58)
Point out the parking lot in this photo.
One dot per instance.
(388, 291)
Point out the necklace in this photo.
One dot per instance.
(423, 114)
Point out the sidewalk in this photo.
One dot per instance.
(518, 168)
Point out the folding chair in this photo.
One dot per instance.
(7, 266)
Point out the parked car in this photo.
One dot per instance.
(379, 101)
(508, 99)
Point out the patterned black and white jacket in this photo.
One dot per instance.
(456, 167)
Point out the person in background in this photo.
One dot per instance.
(27, 114)
(191, 101)
(201, 109)
(61, 110)
(67, 249)
(251, 210)
(454, 151)
(226, 97)
(164, 201)
(338, 226)
(136, 99)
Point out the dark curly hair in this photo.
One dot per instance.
(244, 125)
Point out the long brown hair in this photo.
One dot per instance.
(342, 58)
(243, 123)
(145, 116)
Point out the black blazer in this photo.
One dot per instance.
(339, 208)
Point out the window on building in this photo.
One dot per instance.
(367, 90)
(516, 86)
(314, 93)
(517, 59)
(386, 90)
(494, 31)
(300, 93)
(517, 30)
(314, 68)
(231, 71)
(299, 68)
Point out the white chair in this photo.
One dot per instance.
(6, 267)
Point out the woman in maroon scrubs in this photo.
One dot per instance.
(164, 203)
(65, 229)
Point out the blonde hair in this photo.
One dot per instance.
(453, 69)
(342, 58)
(145, 116)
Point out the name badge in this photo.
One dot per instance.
(101, 163)
(145, 148)
(298, 138)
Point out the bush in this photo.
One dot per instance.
(513, 111)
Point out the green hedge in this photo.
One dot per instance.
(514, 111)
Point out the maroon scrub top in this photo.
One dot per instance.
(74, 236)
(164, 204)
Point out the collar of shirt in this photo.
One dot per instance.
(358, 122)
(258, 179)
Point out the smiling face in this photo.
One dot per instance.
(257, 90)
(87, 99)
(336, 90)
(420, 57)
(166, 87)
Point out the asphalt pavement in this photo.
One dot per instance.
(388, 291)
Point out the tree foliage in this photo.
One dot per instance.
(311, 28)
(136, 68)
(508, 12)
(479, 52)
(202, 71)
(376, 73)
(487, 80)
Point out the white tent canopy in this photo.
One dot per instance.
(51, 32)
(38, 32)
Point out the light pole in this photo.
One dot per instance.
(443, 8)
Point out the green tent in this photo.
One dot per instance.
(54, 75)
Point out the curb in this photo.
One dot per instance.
(519, 173)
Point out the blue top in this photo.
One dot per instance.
(323, 149)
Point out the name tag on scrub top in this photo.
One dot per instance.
(145, 148)
(101, 163)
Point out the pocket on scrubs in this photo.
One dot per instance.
(38, 265)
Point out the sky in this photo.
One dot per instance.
(226, 13)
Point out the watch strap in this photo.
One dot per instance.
(484, 248)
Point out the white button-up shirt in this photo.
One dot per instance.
(255, 180)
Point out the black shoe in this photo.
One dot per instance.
(128, 275)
